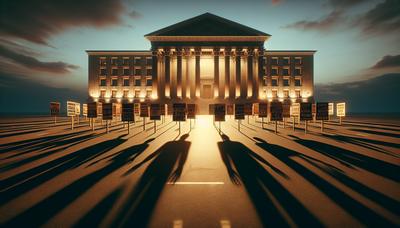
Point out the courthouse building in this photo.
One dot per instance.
(203, 60)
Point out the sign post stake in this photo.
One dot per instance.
(179, 123)
(190, 122)
(276, 126)
(284, 123)
(129, 128)
(239, 125)
(294, 122)
(248, 119)
(55, 120)
(154, 126)
(262, 122)
(144, 123)
(340, 120)
(78, 118)
(322, 125)
(219, 127)
(305, 127)
(72, 122)
(92, 124)
(107, 125)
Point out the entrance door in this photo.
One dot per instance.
(207, 91)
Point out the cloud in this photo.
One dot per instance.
(387, 61)
(36, 21)
(345, 3)
(33, 63)
(378, 94)
(384, 18)
(323, 24)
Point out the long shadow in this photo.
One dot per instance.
(389, 134)
(139, 206)
(19, 133)
(370, 125)
(364, 215)
(260, 185)
(352, 159)
(43, 211)
(18, 184)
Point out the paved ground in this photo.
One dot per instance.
(52, 176)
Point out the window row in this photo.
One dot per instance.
(285, 93)
(126, 82)
(298, 71)
(285, 82)
(125, 71)
(284, 60)
(125, 61)
(125, 94)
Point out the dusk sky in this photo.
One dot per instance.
(43, 58)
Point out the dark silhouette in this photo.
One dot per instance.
(259, 183)
(364, 215)
(352, 159)
(388, 134)
(137, 209)
(40, 213)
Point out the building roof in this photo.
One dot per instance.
(207, 24)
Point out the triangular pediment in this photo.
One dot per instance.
(208, 25)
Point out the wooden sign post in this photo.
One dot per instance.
(276, 110)
(306, 113)
(229, 109)
(144, 112)
(163, 112)
(92, 112)
(77, 110)
(262, 112)
(322, 113)
(84, 111)
(71, 112)
(128, 114)
(295, 113)
(330, 110)
(285, 113)
(191, 113)
(107, 114)
(219, 114)
(248, 110)
(239, 113)
(55, 110)
(155, 114)
(179, 113)
(341, 111)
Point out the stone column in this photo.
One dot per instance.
(238, 71)
(244, 75)
(185, 73)
(260, 70)
(154, 71)
(227, 55)
(250, 72)
(197, 71)
(216, 72)
(167, 72)
(178, 72)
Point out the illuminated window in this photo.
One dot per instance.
(286, 82)
(113, 93)
(103, 82)
(285, 71)
(103, 62)
(137, 82)
(274, 82)
(149, 61)
(297, 92)
(297, 82)
(298, 71)
(149, 82)
(138, 71)
(126, 61)
(286, 60)
(125, 93)
(114, 82)
(103, 71)
(265, 81)
(137, 93)
(298, 60)
(126, 71)
(102, 93)
(126, 81)
(285, 93)
(148, 93)
(274, 71)
(114, 72)
(148, 71)
(274, 60)
(138, 61)
(114, 61)
(274, 93)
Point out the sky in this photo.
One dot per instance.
(43, 43)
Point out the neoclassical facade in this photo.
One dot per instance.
(202, 60)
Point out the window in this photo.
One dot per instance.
(114, 72)
(138, 71)
(286, 60)
(265, 71)
(149, 61)
(297, 93)
(125, 93)
(265, 81)
(126, 71)
(298, 71)
(126, 61)
(149, 82)
(114, 82)
(103, 71)
(274, 93)
(265, 60)
(103, 62)
(113, 93)
(102, 93)
(103, 82)
(137, 82)
(114, 61)
(286, 82)
(298, 60)
(285, 71)
(138, 61)
(285, 93)
(274, 82)
(148, 71)
(126, 81)
(297, 82)
(148, 93)
(274, 60)
(137, 93)
(274, 71)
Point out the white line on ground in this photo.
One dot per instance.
(196, 183)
